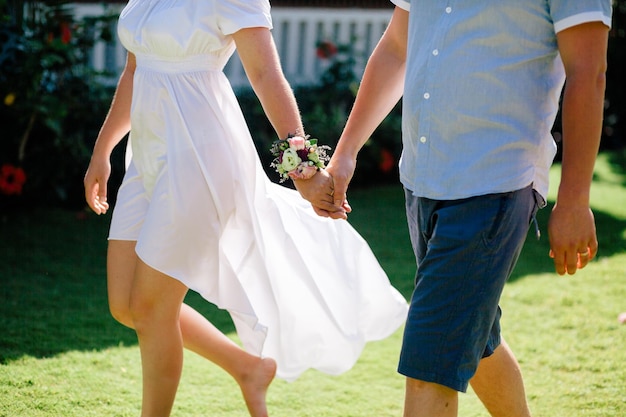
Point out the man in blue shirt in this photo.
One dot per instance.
(481, 82)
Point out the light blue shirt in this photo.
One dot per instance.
(481, 94)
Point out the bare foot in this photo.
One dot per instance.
(255, 384)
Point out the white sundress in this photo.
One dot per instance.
(304, 290)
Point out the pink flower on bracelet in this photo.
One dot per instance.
(296, 142)
(298, 157)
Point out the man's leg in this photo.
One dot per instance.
(465, 251)
(426, 399)
(499, 385)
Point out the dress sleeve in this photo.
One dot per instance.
(233, 15)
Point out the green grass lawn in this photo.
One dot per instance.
(61, 354)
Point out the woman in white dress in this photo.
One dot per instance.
(196, 211)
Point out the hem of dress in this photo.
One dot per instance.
(248, 319)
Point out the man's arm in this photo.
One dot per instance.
(571, 228)
(380, 90)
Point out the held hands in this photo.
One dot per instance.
(319, 191)
(572, 234)
(326, 191)
(302, 159)
(96, 184)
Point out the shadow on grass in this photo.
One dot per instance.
(534, 259)
(53, 282)
(617, 161)
(53, 286)
(610, 229)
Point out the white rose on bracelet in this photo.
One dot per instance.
(298, 157)
(291, 160)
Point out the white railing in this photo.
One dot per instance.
(296, 33)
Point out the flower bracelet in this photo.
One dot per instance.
(298, 157)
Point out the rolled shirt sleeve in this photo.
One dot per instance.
(403, 4)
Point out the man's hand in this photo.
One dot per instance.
(572, 234)
(341, 167)
(318, 190)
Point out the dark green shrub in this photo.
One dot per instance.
(615, 114)
(52, 102)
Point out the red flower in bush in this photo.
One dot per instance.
(66, 33)
(11, 179)
(387, 161)
(326, 49)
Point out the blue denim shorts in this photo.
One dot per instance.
(465, 251)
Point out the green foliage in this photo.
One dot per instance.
(52, 100)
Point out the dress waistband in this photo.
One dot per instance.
(191, 63)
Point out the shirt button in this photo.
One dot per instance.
(426, 96)
(435, 52)
(423, 139)
(448, 10)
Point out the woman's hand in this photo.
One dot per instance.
(96, 184)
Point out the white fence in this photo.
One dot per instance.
(296, 33)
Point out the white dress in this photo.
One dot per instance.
(304, 290)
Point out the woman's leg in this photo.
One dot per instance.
(121, 263)
(155, 302)
(252, 373)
